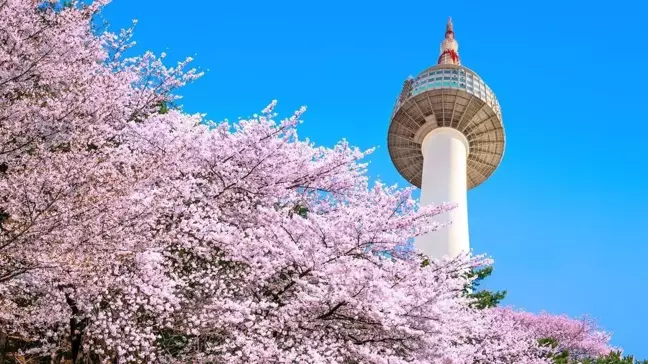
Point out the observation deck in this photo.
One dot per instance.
(447, 95)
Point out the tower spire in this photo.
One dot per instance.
(449, 27)
(449, 53)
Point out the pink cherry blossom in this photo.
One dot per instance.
(580, 337)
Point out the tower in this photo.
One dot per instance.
(446, 136)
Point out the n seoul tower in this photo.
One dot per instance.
(446, 136)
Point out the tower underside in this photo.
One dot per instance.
(475, 117)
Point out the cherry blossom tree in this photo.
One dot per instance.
(67, 97)
(580, 338)
(130, 233)
(71, 175)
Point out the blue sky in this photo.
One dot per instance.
(564, 216)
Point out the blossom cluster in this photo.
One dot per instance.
(580, 337)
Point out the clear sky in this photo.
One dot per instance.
(564, 216)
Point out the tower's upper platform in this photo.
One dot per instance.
(447, 95)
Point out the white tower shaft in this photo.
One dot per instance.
(445, 152)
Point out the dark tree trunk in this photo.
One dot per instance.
(3, 346)
(76, 329)
(75, 339)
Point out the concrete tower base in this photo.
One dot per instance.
(445, 153)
